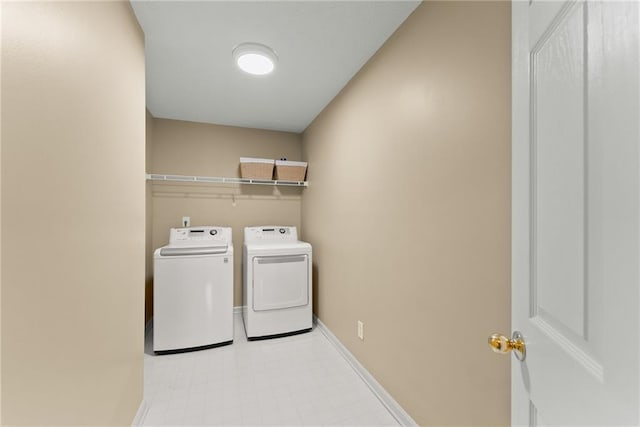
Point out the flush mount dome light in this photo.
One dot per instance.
(255, 58)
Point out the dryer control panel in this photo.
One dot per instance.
(200, 234)
(270, 233)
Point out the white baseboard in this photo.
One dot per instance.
(143, 409)
(385, 398)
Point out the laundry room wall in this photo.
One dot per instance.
(187, 148)
(0, 222)
(408, 211)
(72, 212)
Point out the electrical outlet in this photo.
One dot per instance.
(360, 330)
(186, 221)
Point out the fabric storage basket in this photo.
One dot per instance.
(290, 171)
(256, 168)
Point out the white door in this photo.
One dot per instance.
(576, 212)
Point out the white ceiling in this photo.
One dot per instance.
(320, 44)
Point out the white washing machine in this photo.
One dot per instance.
(193, 290)
(277, 284)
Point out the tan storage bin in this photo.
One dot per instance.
(290, 171)
(254, 168)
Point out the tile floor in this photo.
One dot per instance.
(300, 380)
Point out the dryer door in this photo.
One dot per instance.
(280, 282)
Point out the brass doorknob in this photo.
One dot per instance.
(501, 344)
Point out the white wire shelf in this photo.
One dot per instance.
(223, 180)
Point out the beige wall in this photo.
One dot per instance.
(72, 213)
(186, 148)
(0, 217)
(148, 269)
(409, 167)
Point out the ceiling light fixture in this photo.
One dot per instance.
(255, 58)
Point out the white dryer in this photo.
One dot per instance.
(193, 290)
(277, 284)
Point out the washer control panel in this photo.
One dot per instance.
(270, 233)
(202, 234)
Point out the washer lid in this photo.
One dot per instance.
(175, 250)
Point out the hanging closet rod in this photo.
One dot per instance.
(223, 180)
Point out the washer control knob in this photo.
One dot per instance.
(213, 232)
(282, 231)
